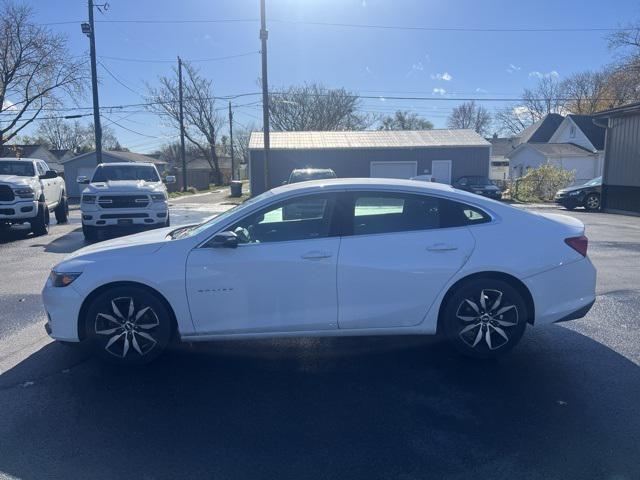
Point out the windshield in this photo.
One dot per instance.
(195, 229)
(479, 181)
(21, 169)
(306, 175)
(106, 173)
(594, 183)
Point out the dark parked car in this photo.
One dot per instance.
(306, 174)
(587, 196)
(480, 186)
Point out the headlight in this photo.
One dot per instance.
(574, 193)
(88, 199)
(24, 192)
(159, 197)
(62, 279)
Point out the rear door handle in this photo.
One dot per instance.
(441, 247)
(316, 255)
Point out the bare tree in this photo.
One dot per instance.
(405, 120)
(585, 92)
(241, 142)
(512, 119)
(202, 120)
(470, 115)
(545, 98)
(315, 107)
(59, 134)
(36, 69)
(627, 44)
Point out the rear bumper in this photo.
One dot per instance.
(563, 293)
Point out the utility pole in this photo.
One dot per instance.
(94, 85)
(182, 150)
(233, 163)
(265, 94)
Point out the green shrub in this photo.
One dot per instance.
(541, 184)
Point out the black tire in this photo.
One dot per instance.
(592, 202)
(168, 222)
(465, 321)
(570, 208)
(40, 224)
(62, 210)
(90, 233)
(128, 325)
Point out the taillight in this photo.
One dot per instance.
(579, 244)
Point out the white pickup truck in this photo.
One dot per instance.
(29, 190)
(123, 196)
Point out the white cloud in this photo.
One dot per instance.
(439, 91)
(537, 74)
(513, 68)
(481, 90)
(447, 77)
(415, 68)
(9, 105)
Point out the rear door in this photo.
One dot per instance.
(399, 251)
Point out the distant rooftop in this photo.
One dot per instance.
(556, 149)
(369, 139)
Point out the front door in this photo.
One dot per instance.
(441, 171)
(402, 250)
(282, 276)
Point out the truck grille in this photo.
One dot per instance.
(6, 194)
(123, 201)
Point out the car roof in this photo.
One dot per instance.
(359, 183)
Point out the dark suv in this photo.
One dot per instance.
(587, 196)
(306, 174)
(479, 185)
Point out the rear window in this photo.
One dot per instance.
(398, 212)
(19, 168)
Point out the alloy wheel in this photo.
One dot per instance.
(593, 202)
(487, 321)
(129, 329)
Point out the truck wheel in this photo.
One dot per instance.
(62, 210)
(168, 222)
(90, 233)
(40, 224)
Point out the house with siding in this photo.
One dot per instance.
(572, 143)
(621, 171)
(444, 154)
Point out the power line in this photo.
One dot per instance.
(112, 75)
(360, 25)
(196, 60)
(131, 130)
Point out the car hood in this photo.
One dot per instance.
(118, 186)
(489, 188)
(572, 189)
(15, 179)
(138, 244)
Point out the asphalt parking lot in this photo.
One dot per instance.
(562, 405)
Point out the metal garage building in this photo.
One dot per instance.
(621, 173)
(445, 154)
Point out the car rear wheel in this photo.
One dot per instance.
(62, 210)
(484, 318)
(40, 224)
(128, 325)
(592, 202)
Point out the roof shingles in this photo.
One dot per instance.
(368, 139)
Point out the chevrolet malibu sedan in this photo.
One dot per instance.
(330, 257)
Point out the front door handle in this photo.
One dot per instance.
(316, 255)
(441, 247)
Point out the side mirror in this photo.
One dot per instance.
(49, 174)
(83, 180)
(224, 240)
(170, 179)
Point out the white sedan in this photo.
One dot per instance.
(329, 257)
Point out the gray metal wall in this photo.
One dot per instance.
(621, 189)
(356, 162)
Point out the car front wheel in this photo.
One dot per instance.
(592, 202)
(128, 325)
(484, 318)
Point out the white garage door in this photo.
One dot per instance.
(394, 169)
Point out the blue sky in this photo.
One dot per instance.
(376, 62)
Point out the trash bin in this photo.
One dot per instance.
(236, 188)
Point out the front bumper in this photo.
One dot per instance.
(62, 305)
(18, 210)
(152, 216)
(570, 201)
